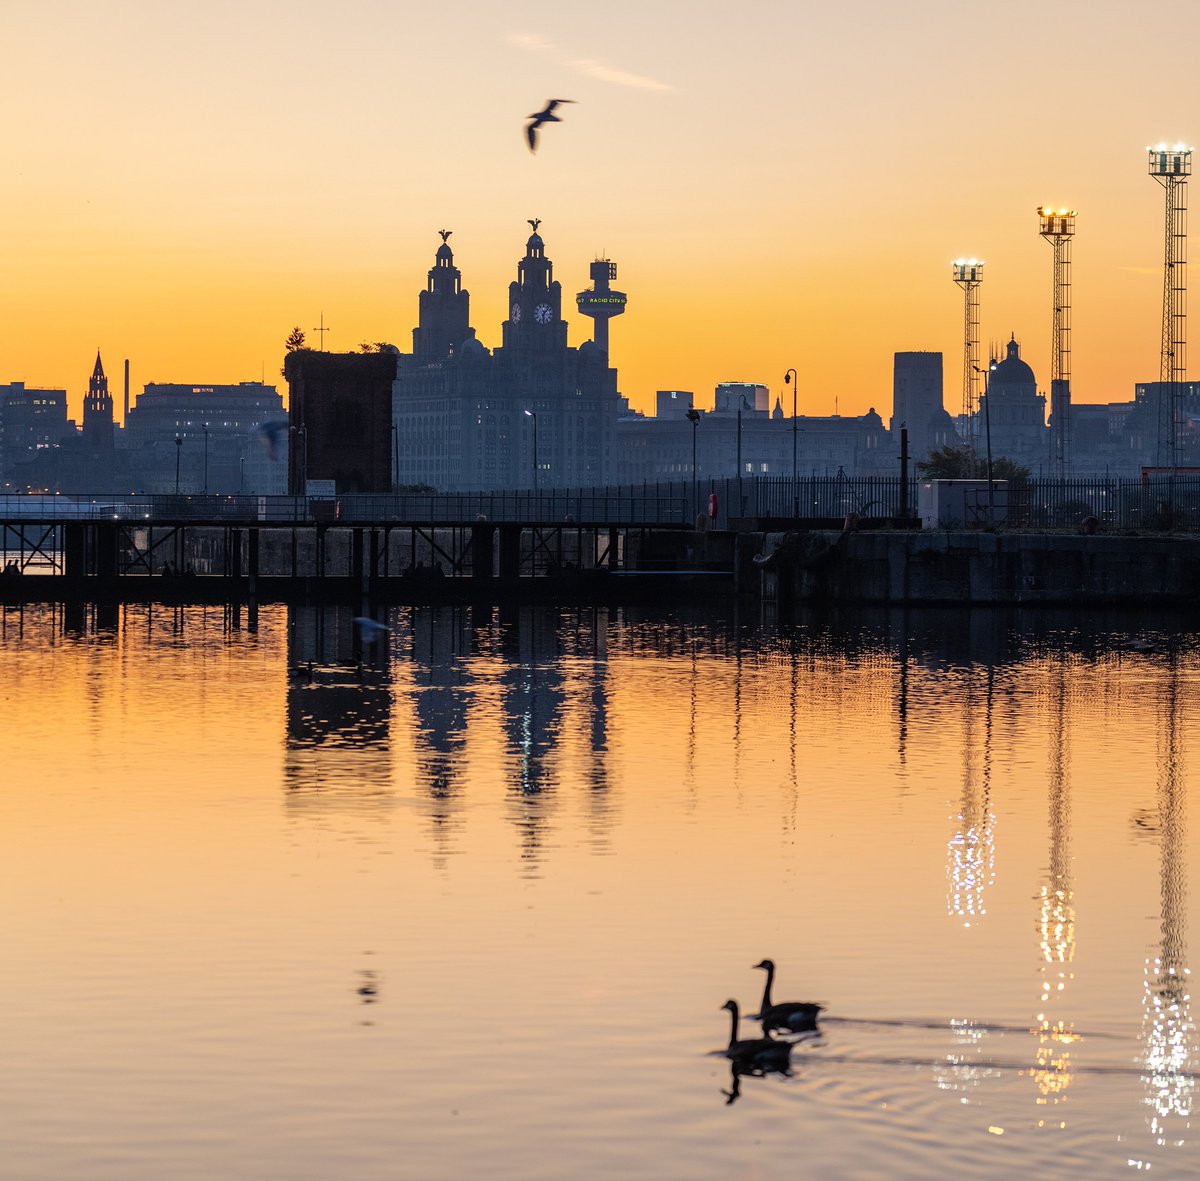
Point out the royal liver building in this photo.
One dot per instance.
(532, 413)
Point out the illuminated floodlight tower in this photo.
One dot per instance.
(1057, 226)
(1171, 166)
(968, 274)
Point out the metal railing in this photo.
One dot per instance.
(1158, 502)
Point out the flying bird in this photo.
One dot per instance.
(545, 115)
(271, 435)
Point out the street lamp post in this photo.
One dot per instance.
(741, 498)
(694, 418)
(533, 414)
(299, 486)
(178, 452)
(790, 378)
(206, 459)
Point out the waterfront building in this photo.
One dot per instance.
(532, 412)
(1014, 413)
(918, 404)
(207, 438)
(33, 430)
(660, 447)
(341, 418)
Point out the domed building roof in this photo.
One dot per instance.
(444, 252)
(1012, 371)
(471, 348)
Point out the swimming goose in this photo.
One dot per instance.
(794, 1015)
(761, 1052)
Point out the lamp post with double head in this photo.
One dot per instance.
(741, 499)
(533, 414)
(790, 378)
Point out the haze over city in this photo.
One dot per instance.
(779, 187)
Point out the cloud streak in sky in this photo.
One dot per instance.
(589, 67)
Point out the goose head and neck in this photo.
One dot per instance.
(732, 1006)
(767, 966)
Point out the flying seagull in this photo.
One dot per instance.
(545, 115)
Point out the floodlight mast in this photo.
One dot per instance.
(968, 274)
(1057, 226)
(1171, 166)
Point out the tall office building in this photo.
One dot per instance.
(917, 403)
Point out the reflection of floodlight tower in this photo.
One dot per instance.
(1058, 227)
(968, 274)
(1056, 927)
(1171, 168)
(970, 871)
(600, 301)
(1167, 1027)
(971, 852)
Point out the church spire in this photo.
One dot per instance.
(98, 410)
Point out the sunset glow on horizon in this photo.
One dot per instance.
(779, 187)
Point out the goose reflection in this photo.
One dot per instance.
(759, 1053)
(737, 1072)
(798, 1016)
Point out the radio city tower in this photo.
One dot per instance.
(600, 301)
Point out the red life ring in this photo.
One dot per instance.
(712, 506)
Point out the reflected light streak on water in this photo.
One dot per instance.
(465, 900)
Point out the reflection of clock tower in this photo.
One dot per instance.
(535, 320)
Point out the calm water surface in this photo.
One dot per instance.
(465, 902)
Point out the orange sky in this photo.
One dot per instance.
(779, 185)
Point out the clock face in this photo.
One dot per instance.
(543, 313)
(516, 313)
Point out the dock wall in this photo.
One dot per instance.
(972, 567)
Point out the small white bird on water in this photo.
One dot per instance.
(371, 629)
(545, 115)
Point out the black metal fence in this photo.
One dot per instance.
(1158, 502)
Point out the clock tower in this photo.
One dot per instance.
(98, 411)
(535, 322)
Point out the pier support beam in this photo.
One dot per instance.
(482, 550)
(510, 551)
(74, 550)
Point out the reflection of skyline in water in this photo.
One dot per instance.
(339, 711)
(438, 640)
(533, 696)
(444, 718)
(546, 672)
